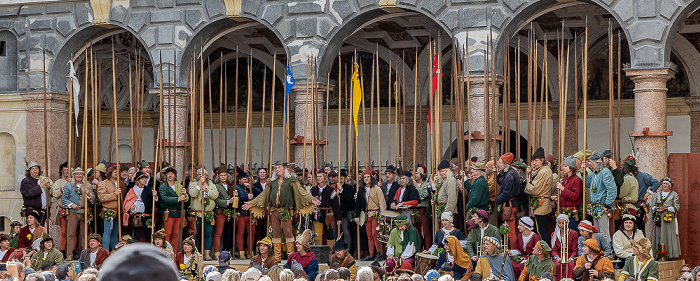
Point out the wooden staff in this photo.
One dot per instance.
(402, 131)
(469, 111)
(619, 95)
(545, 85)
(517, 100)
(415, 112)
(221, 105)
(306, 111)
(249, 111)
(529, 97)
(249, 122)
(226, 115)
(370, 160)
(262, 124)
(201, 132)
(70, 119)
(174, 112)
(116, 133)
(504, 106)
(611, 89)
(250, 139)
(388, 98)
(562, 112)
(235, 121)
(211, 114)
(314, 120)
(459, 97)
(379, 121)
(431, 119)
(325, 121)
(357, 166)
(161, 126)
(364, 117)
(453, 118)
(340, 103)
(584, 82)
(576, 91)
(95, 89)
(84, 139)
(396, 115)
(493, 127)
(487, 97)
(47, 152)
(272, 111)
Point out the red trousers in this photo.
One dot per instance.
(372, 236)
(425, 229)
(64, 232)
(172, 230)
(242, 225)
(513, 234)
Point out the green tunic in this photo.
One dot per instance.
(535, 268)
(291, 196)
(478, 193)
(641, 271)
(410, 236)
(286, 195)
(38, 259)
(474, 237)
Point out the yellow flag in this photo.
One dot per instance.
(356, 96)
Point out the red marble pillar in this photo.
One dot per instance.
(57, 121)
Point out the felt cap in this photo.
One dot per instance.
(549, 158)
(420, 171)
(581, 156)
(140, 175)
(123, 168)
(538, 154)
(520, 165)
(629, 163)
(643, 244)
(607, 153)
(242, 174)
(527, 222)
(482, 214)
(144, 164)
(407, 173)
(225, 256)
(596, 157)
(111, 169)
(368, 171)
(587, 226)
(592, 244)
(479, 165)
(265, 241)
(101, 168)
(32, 164)
(508, 158)
(443, 165)
(343, 172)
(45, 237)
(96, 237)
(493, 240)
(339, 245)
(332, 174)
(143, 261)
(170, 170)
(544, 246)
(305, 238)
(390, 169)
(447, 215)
(77, 171)
(570, 161)
(401, 220)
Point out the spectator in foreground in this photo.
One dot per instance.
(143, 261)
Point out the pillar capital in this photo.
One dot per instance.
(694, 104)
(476, 84)
(650, 80)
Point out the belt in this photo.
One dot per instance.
(141, 215)
(172, 210)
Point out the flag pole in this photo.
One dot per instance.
(340, 104)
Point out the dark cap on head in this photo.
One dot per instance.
(444, 164)
(406, 173)
(539, 153)
(390, 169)
(138, 261)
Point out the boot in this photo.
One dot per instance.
(278, 251)
(242, 254)
(207, 255)
(69, 257)
(290, 249)
(216, 255)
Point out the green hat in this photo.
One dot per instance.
(101, 168)
(580, 156)
(144, 164)
(629, 163)
(401, 220)
(607, 153)
(520, 165)
(544, 246)
(123, 168)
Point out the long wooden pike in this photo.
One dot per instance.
(364, 116)
(84, 139)
(131, 111)
(402, 130)
(611, 89)
(235, 121)
(545, 85)
(388, 98)
(487, 99)
(529, 97)
(379, 121)
(396, 113)
(618, 151)
(174, 112)
(272, 111)
(226, 114)
(370, 161)
(211, 114)
(201, 129)
(262, 122)
(431, 119)
(325, 121)
(584, 82)
(249, 111)
(453, 117)
(459, 97)
(221, 104)
(504, 105)
(415, 112)
(517, 100)
(340, 103)
(249, 124)
(116, 131)
(468, 95)
(158, 143)
(493, 122)
(314, 117)
(70, 119)
(47, 152)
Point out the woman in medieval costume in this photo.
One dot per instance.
(665, 215)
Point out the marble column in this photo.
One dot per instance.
(304, 103)
(478, 120)
(421, 137)
(650, 132)
(174, 132)
(570, 134)
(694, 104)
(57, 116)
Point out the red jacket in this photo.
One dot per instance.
(23, 241)
(573, 189)
(10, 254)
(101, 256)
(572, 245)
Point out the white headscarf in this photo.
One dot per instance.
(557, 231)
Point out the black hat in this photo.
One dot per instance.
(34, 214)
(539, 153)
(390, 169)
(15, 223)
(123, 168)
(64, 165)
(406, 173)
(332, 174)
(343, 172)
(140, 175)
(474, 158)
(443, 165)
(242, 174)
(144, 262)
(170, 170)
(339, 245)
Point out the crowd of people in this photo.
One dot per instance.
(500, 219)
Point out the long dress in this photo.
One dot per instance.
(572, 253)
(667, 233)
(523, 248)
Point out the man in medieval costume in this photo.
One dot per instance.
(403, 243)
(281, 199)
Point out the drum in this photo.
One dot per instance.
(425, 262)
(390, 213)
(385, 222)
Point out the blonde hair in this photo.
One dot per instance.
(286, 275)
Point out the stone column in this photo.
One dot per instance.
(57, 116)
(570, 134)
(175, 119)
(304, 123)
(477, 122)
(694, 104)
(650, 133)
(421, 137)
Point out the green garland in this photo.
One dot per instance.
(285, 215)
(437, 191)
(209, 216)
(534, 202)
(504, 229)
(149, 223)
(439, 209)
(438, 251)
(109, 215)
(596, 210)
(228, 213)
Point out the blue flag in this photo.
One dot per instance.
(288, 88)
